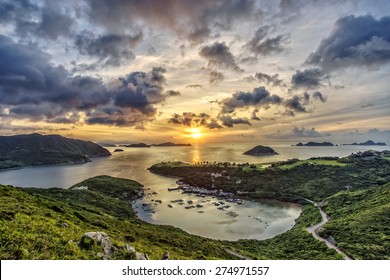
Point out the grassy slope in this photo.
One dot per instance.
(360, 222)
(32, 226)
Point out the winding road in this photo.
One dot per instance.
(313, 230)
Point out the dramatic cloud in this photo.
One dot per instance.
(195, 22)
(216, 77)
(259, 97)
(32, 88)
(195, 120)
(49, 21)
(354, 41)
(308, 78)
(297, 133)
(230, 121)
(218, 54)
(110, 50)
(269, 80)
(262, 43)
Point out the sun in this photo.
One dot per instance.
(195, 133)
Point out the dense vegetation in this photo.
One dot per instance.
(291, 181)
(360, 222)
(36, 149)
(296, 243)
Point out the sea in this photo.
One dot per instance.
(249, 220)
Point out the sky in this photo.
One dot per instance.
(127, 71)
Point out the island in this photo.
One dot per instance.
(260, 151)
(136, 145)
(36, 149)
(118, 150)
(315, 144)
(170, 144)
(368, 143)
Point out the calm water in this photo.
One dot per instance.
(251, 220)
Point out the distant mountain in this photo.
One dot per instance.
(170, 144)
(137, 145)
(314, 144)
(260, 151)
(368, 143)
(37, 149)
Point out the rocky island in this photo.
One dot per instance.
(36, 149)
(315, 144)
(260, 151)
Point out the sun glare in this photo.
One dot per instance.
(195, 133)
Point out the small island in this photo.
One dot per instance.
(315, 144)
(367, 143)
(260, 151)
(118, 150)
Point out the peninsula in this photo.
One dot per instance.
(36, 149)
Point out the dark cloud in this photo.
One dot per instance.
(308, 78)
(297, 133)
(141, 90)
(49, 21)
(110, 50)
(318, 95)
(172, 93)
(354, 41)
(195, 120)
(259, 97)
(32, 88)
(218, 54)
(263, 43)
(194, 86)
(216, 77)
(269, 80)
(296, 103)
(152, 51)
(254, 115)
(54, 23)
(229, 121)
(194, 22)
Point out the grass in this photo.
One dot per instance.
(313, 161)
(49, 223)
(360, 222)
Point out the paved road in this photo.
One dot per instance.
(313, 230)
(234, 253)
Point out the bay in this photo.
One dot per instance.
(250, 220)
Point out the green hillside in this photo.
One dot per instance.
(360, 222)
(36, 149)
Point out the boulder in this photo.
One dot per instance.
(141, 256)
(101, 238)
